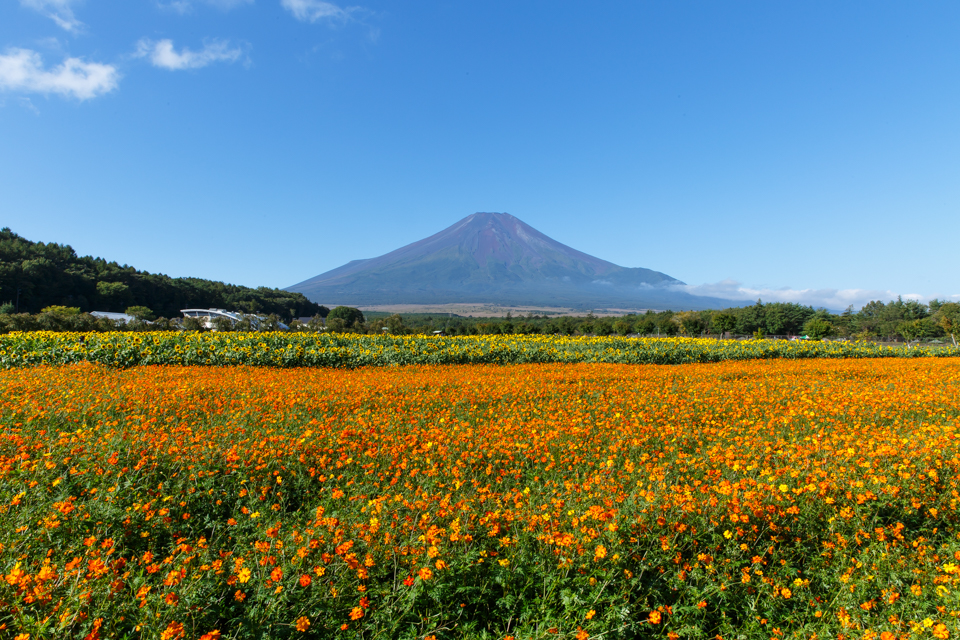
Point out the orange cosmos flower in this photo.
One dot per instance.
(173, 631)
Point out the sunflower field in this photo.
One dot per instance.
(341, 350)
(789, 497)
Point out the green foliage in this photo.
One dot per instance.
(770, 319)
(818, 328)
(113, 291)
(53, 274)
(221, 323)
(622, 327)
(193, 324)
(141, 313)
(877, 318)
(59, 310)
(691, 323)
(395, 324)
(316, 323)
(948, 318)
(910, 330)
(348, 315)
(336, 324)
(724, 321)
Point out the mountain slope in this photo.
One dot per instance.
(494, 257)
(34, 275)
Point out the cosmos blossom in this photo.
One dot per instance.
(678, 490)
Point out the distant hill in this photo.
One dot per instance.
(497, 258)
(53, 274)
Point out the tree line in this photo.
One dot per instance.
(896, 320)
(37, 275)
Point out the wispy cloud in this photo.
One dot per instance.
(829, 298)
(182, 7)
(60, 11)
(162, 54)
(317, 10)
(22, 70)
(186, 6)
(27, 104)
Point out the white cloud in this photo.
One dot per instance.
(186, 6)
(316, 10)
(835, 299)
(22, 70)
(226, 5)
(60, 11)
(27, 104)
(179, 6)
(162, 54)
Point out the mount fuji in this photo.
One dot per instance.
(497, 258)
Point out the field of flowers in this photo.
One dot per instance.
(741, 499)
(350, 350)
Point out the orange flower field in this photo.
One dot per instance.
(741, 499)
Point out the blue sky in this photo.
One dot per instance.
(804, 151)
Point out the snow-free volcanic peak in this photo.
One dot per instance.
(494, 258)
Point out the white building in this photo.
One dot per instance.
(207, 316)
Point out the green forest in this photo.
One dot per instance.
(37, 275)
(896, 320)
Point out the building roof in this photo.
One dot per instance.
(210, 313)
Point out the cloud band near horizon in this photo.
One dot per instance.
(834, 299)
